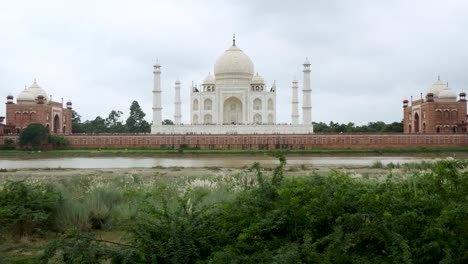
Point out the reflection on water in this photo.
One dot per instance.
(202, 161)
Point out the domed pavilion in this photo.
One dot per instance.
(33, 105)
(441, 111)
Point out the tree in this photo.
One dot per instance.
(34, 136)
(136, 122)
(98, 125)
(114, 118)
(114, 124)
(77, 126)
(167, 122)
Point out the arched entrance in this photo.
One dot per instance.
(416, 123)
(56, 124)
(232, 111)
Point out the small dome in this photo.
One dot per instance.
(36, 90)
(9, 96)
(233, 63)
(306, 62)
(69, 102)
(209, 79)
(257, 79)
(447, 93)
(177, 81)
(25, 96)
(437, 87)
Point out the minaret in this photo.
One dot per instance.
(295, 104)
(306, 96)
(177, 103)
(157, 107)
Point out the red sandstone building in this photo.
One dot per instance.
(34, 106)
(440, 112)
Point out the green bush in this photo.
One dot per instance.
(8, 144)
(95, 210)
(58, 141)
(27, 208)
(33, 136)
(420, 218)
(335, 219)
(83, 248)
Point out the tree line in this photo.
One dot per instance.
(136, 123)
(113, 123)
(371, 127)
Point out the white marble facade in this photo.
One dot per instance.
(234, 100)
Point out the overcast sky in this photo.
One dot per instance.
(366, 56)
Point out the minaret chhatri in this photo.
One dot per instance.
(177, 103)
(295, 104)
(157, 107)
(306, 95)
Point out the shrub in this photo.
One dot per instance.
(58, 141)
(77, 247)
(34, 136)
(8, 144)
(95, 210)
(377, 165)
(27, 208)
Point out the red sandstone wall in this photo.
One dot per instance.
(312, 141)
(20, 116)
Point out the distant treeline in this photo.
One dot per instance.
(372, 127)
(135, 122)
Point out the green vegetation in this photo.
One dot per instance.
(371, 127)
(417, 216)
(135, 123)
(27, 208)
(167, 122)
(8, 144)
(34, 136)
(58, 141)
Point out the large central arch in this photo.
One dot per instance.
(56, 124)
(416, 122)
(232, 111)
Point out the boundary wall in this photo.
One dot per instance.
(264, 141)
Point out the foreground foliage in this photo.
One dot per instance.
(420, 218)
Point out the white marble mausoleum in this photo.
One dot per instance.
(235, 100)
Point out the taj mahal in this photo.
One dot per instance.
(235, 100)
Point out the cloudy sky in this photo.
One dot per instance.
(366, 56)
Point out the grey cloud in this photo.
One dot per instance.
(365, 54)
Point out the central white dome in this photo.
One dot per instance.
(36, 90)
(436, 88)
(233, 64)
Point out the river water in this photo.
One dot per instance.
(227, 161)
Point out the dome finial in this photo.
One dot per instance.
(234, 39)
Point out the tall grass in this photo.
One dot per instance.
(259, 214)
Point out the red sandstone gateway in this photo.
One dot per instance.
(34, 106)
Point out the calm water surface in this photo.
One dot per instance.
(202, 161)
